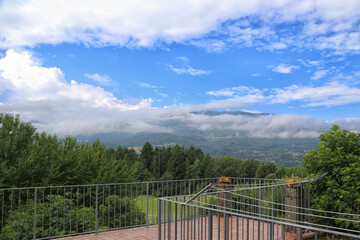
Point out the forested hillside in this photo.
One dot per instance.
(29, 158)
(219, 143)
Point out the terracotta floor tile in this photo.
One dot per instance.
(151, 232)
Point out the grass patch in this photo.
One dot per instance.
(141, 201)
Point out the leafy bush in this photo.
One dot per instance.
(57, 216)
(338, 154)
(54, 217)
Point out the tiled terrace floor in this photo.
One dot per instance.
(151, 232)
(146, 233)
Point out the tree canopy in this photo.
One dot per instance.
(338, 154)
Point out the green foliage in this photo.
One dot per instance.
(147, 154)
(297, 171)
(58, 216)
(54, 216)
(159, 163)
(130, 214)
(266, 170)
(249, 168)
(178, 163)
(338, 154)
(227, 166)
(16, 139)
(195, 169)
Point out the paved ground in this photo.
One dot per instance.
(146, 233)
(196, 228)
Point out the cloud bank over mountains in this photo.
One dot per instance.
(56, 105)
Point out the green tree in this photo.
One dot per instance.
(296, 171)
(227, 166)
(207, 167)
(16, 138)
(338, 154)
(37, 168)
(147, 154)
(249, 168)
(280, 172)
(193, 154)
(195, 169)
(160, 160)
(265, 169)
(178, 163)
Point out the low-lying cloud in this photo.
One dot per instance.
(71, 118)
(43, 96)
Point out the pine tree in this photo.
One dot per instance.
(147, 154)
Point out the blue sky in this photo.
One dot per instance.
(95, 66)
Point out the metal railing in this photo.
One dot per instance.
(259, 209)
(57, 211)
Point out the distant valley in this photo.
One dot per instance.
(217, 142)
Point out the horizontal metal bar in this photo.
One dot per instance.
(199, 193)
(127, 183)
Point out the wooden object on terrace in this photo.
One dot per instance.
(293, 200)
(224, 196)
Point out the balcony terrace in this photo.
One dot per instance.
(179, 209)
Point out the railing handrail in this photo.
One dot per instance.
(127, 183)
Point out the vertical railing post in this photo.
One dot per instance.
(159, 219)
(210, 228)
(272, 214)
(169, 220)
(96, 208)
(226, 219)
(35, 205)
(189, 188)
(176, 220)
(147, 203)
(259, 208)
(299, 233)
(308, 201)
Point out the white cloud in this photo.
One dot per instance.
(315, 63)
(319, 74)
(102, 79)
(210, 24)
(26, 80)
(223, 92)
(240, 90)
(65, 119)
(276, 46)
(164, 95)
(147, 85)
(330, 94)
(271, 126)
(210, 45)
(283, 68)
(187, 69)
(155, 88)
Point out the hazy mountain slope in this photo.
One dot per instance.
(217, 142)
